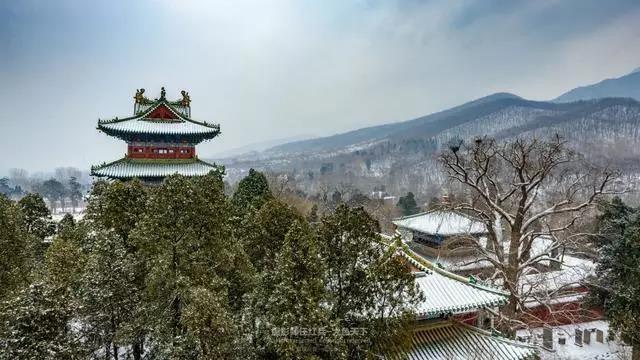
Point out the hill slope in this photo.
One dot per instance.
(402, 155)
(624, 86)
(383, 131)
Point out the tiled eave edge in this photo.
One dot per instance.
(148, 111)
(153, 162)
(395, 244)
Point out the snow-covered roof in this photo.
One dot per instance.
(454, 261)
(447, 293)
(454, 340)
(441, 223)
(143, 168)
(145, 123)
(572, 273)
(147, 126)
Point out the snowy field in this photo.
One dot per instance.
(607, 350)
(60, 212)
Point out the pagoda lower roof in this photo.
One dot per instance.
(127, 168)
(454, 340)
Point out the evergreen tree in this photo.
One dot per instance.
(66, 223)
(116, 208)
(613, 220)
(358, 199)
(5, 189)
(296, 297)
(54, 191)
(16, 248)
(109, 295)
(37, 216)
(253, 191)
(37, 321)
(313, 216)
(618, 272)
(212, 332)
(74, 192)
(364, 278)
(336, 198)
(35, 324)
(64, 261)
(408, 205)
(186, 240)
(262, 232)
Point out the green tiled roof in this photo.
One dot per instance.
(447, 293)
(448, 340)
(127, 168)
(139, 124)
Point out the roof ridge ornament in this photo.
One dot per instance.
(186, 99)
(140, 98)
(163, 93)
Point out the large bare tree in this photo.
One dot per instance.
(524, 190)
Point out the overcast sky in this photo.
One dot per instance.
(276, 69)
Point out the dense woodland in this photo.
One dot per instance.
(197, 268)
(183, 271)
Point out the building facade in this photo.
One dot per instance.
(452, 241)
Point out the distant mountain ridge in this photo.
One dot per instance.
(435, 124)
(624, 86)
(261, 146)
(401, 155)
(382, 131)
(627, 86)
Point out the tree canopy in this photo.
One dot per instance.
(174, 270)
(617, 284)
(408, 205)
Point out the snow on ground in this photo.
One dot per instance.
(58, 216)
(607, 350)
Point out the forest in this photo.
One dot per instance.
(183, 271)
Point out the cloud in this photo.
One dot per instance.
(280, 68)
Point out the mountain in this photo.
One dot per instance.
(383, 131)
(401, 155)
(624, 86)
(500, 114)
(260, 146)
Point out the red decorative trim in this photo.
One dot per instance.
(162, 112)
(161, 152)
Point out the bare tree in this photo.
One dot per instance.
(523, 191)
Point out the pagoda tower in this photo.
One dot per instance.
(161, 140)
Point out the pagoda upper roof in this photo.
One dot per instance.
(160, 117)
(128, 168)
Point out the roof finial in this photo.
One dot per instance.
(186, 99)
(163, 93)
(139, 96)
